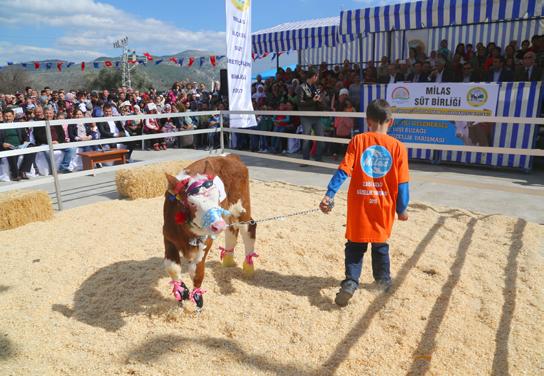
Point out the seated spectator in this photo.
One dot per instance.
(109, 129)
(152, 126)
(529, 71)
(11, 139)
(469, 74)
(440, 73)
(393, 75)
(417, 75)
(58, 137)
(79, 132)
(498, 73)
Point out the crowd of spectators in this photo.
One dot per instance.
(321, 88)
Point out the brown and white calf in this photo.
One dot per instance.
(201, 202)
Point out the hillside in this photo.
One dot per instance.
(161, 76)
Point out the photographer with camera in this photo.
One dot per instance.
(310, 100)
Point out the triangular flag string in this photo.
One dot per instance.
(189, 61)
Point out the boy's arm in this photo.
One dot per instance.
(344, 170)
(403, 195)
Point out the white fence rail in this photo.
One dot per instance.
(50, 147)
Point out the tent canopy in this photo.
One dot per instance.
(436, 13)
(289, 36)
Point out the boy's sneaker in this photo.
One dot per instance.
(384, 285)
(347, 289)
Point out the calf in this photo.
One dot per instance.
(196, 205)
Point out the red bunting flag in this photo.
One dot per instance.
(108, 63)
(83, 66)
(212, 60)
(148, 56)
(191, 60)
(36, 65)
(265, 55)
(59, 66)
(253, 56)
(173, 60)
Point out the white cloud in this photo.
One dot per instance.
(90, 28)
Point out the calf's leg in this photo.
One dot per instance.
(248, 235)
(227, 253)
(172, 265)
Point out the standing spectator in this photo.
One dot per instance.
(309, 100)
(524, 48)
(444, 51)
(343, 129)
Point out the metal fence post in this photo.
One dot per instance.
(52, 163)
(222, 134)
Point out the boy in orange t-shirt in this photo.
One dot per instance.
(378, 166)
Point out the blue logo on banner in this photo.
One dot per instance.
(376, 161)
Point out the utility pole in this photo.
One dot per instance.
(125, 68)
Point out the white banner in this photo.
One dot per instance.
(239, 61)
(459, 99)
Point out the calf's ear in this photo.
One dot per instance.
(172, 183)
(208, 170)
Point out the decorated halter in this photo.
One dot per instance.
(183, 186)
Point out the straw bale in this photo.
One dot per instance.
(146, 181)
(21, 207)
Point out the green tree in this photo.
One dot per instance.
(14, 79)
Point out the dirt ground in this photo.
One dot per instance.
(86, 294)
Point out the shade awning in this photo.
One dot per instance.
(299, 35)
(436, 13)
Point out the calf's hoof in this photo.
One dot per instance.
(228, 261)
(248, 270)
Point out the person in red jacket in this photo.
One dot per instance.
(378, 166)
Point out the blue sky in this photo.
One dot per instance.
(85, 29)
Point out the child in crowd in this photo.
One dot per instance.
(343, 129)
(378, 166)
(282, 124)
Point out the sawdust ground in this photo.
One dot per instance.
(85, 294)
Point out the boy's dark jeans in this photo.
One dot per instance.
(380, 261)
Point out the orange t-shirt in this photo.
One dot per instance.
(377, 164)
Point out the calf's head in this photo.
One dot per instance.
(199, 197)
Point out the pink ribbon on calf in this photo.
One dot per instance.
(224, 252)
(177, 289)
(249, 258)
(194, 292)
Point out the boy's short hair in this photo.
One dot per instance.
(379, 110)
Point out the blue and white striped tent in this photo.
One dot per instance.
(457, 21)
(315, 40)
(519, 99)
(427, 14)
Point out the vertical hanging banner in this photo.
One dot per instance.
(239, 61)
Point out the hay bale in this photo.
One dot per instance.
(146, 181)
(21, 207)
